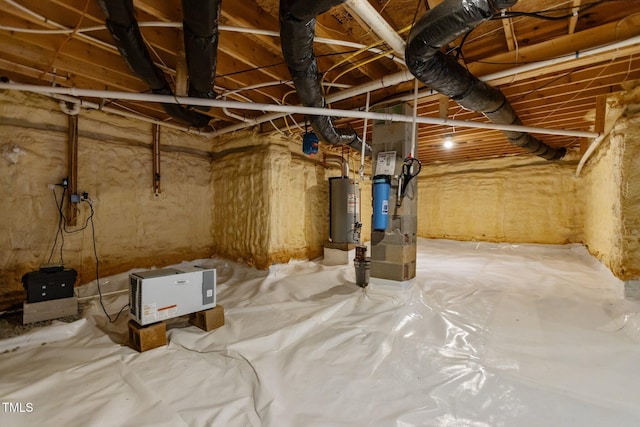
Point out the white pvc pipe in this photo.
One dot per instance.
(73, 111)
(379, 26)
(415, 115)
(589, 152)
(532, 66)
(57, 25)
(334, 158)
(155, 24)
(386, 81)
(93, 106)
(286, 109)
(364, 138)
(405, 76)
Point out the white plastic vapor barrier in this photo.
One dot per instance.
(487, 335)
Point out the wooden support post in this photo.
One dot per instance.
(443, 105)
(72, 148)
(143, 338)
(584, 144)
(574, 16)
(208, 320)
(509, 34)
(601, 113)
(182, 73)
(156, 160)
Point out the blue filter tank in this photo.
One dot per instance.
(381, 189)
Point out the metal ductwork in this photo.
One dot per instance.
(437, 28)
(297, 30)
(124, 29)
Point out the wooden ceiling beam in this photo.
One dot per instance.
(573, 21)
(51, 24)
(509, 33)
(338, 21)
(609, 74)
(564, 45)
(40, 57)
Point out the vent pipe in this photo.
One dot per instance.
(297, 30)
(439, 27)
(126, 34)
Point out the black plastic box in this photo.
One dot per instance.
(48, 285)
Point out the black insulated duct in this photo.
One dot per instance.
(126, 34)
(437, 28)
(200, 29)
(297, 30)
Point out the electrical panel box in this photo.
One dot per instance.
(156, 295)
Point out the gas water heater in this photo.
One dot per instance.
(344, 210)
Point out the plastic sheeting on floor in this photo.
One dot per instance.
(487, 335)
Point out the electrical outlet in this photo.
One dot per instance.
(75, 198)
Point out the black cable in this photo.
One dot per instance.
(77, 230)
(413, 22)
(62, 228)
(95, 254)
(60, 225)
(539, 14)
(406, 172)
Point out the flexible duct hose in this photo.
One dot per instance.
(200, 27)
(126, 34)
(297, 30)
(440, 26)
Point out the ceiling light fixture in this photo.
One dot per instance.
(448, 142)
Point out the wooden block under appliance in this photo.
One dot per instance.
(208, 320)
(143, 338)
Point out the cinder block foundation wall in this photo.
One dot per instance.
(133, 227)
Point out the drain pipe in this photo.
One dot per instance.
(378, 25)
(297, 30)
(335, 159)
(124, 29)
(288, 109)
(386, 81)
(405, 76)
(81, 103)
(443, 73)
